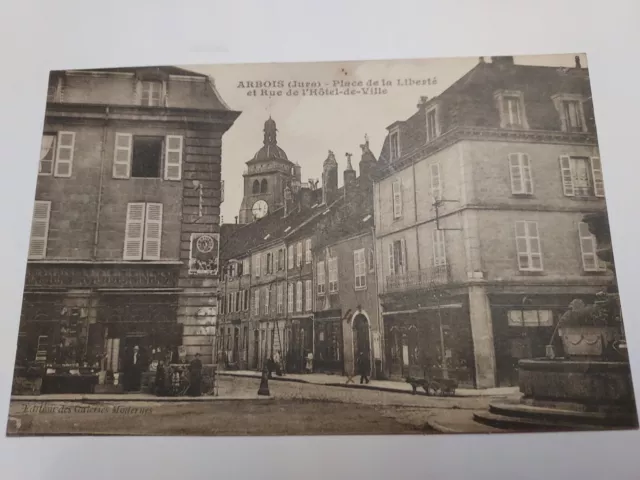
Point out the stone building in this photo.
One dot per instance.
(125, 236)
(478, 214)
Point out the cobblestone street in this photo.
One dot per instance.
(293, 409)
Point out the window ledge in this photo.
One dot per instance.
(523, 195)
(360, 289)
(106, 262)
(532, 273)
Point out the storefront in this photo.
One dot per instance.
(300, 339)
(430, 341)
(328, 342)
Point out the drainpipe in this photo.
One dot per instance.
(102, 162)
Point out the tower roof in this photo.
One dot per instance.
(330, 161)
(270, 150)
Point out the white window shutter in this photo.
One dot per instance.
(173, 157)
(436, 182)
(122, 155)
(39, 230)
(153, 232)
(164, 100)
(598, 182)
(588, 248)
(392, 266)
(439, 253)
(567, 175)
(138, 92)
(527, 177)
(397, 198)
(516, 173)
(134, 231)
(64, 154)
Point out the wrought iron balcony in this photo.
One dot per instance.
(419, 279)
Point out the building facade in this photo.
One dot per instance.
(478, 213)
(125, 235)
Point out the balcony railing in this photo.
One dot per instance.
(426, 278)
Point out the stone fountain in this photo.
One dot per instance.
(588, 385)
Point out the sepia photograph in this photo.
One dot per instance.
(332, 248)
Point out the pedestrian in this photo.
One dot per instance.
(270, 366)
(277, 360)
(309, 363)
(161, 379)
(195, 373)
(364, 367)
(133, 371)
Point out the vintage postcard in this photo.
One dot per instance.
(376, 247)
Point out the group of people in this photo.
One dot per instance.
(169, 379)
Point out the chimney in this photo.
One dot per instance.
(236, 219)
(577, 59)
(297, 169)
(502, 60)
(423, 102)
(349, 176)
(367, 164)
(329, 178)
(481, 60)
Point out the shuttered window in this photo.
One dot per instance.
(436, 182)
(290, 298)
(173, 157)
(528, 246)
(298, 296)
(266, 300)
(588, 248)
(256, 302)
(439, 249)
(396, 187)
(333, 274)
(397, 257)
(122, 155)
(39, 230)
(47, 154)
(290, 256)
(298, 254)
(308, 296)
(143, 231)
(280, 298)
(320, 278)
(360, 269)
(307, 251)
(64, 154)
(581, 176)
(520, 171)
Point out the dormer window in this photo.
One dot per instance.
(394, 145)
(571, 112)
(433, 129)
(151, 93)
(511, 108)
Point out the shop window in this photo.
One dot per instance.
(530, 318)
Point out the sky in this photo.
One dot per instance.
(309, 126)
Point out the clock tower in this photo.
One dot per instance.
(268, 173)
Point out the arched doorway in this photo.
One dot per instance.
(361, 337)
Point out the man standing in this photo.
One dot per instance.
(133, 371)
(364, 367)
(195, 380)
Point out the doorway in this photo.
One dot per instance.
(361, 337)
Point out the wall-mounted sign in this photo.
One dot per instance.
(204, 254)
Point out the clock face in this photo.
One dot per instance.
(260, 209)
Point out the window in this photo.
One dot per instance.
(299, 254)
(266, 300)
(237, 302)
(511, 107)
(436, 182)
(290, 256)
(39, 230)
(269, 263)
(432, 124)
(394, 145)
(588, 247)
(56, 154)
(264, 188)
(528, 246)
(320, 278)
(290, 298)
(396, 188)
(397, 257)
(371, 260)
(581, 176)
(142, 156)
(143, 231)
(520, 171)
(246, 266)
(256, 302)
(307, 251)
(571, 112)
(530, 318)
(280, 298)
(246, 300)
(281, 259)
(298, 296)
(359, 268)
(308, 305)
(439, 249)
(256, 265)
(256, 187)
(151, 94)
(333, 274)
